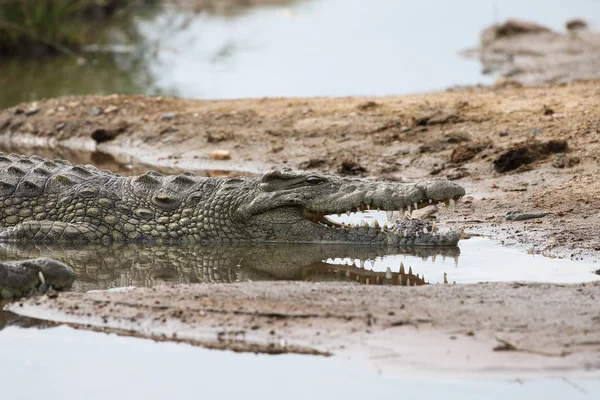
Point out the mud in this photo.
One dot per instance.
(481, 328)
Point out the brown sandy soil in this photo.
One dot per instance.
(483, 328)
(544, 141)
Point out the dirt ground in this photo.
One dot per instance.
(520, 152)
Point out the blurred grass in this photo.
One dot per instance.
(37, 27)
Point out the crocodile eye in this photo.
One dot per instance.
(314, 180)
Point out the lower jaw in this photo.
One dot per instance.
(450, 238)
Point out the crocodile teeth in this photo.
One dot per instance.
(389, 215)
(452, 204)
(376, 224)
(409, 210)
(388, 273)
(424, 230)
(416, 205)
(433, 227)
(396, 215)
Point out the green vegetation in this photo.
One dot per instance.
(52, 26)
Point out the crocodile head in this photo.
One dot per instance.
(295, 206)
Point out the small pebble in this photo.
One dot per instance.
(220, 155)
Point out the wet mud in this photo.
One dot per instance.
(480, 329)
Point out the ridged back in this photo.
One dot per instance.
(23, 177)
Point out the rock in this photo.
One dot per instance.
(95, 111)
(32, 110)
(367, 105)
(564, 161)
(512, 27)
(517, 215)
(111, 109)
(576, 24)
(220, 155)
(168, 116)
(503, 133)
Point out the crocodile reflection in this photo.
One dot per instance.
(118, 265)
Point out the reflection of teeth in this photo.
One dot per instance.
(424, 230)
(376, 224)
(348, 213)
(42, 279)
(402, 272)
(433, 227)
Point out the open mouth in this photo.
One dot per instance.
(400, 222)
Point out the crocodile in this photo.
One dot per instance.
(100, 267)
(43, 200)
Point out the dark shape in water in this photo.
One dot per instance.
(118, 265)
(29, 277)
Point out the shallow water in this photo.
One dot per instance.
(303, 48)
(63, 363)
(477, 260)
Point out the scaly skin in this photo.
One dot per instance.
(132, 264)
(53, 201)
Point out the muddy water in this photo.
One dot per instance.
(300, 48)
(63, 363)
(477, 260)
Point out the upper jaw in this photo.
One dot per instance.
(399, 197)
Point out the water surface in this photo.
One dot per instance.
(301, 48)
(476, 260)
(62, 363)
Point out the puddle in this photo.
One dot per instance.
(125, 166)
(100, 267)
(299, 48)
(63, 363)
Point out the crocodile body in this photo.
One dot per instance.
(54, 201)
